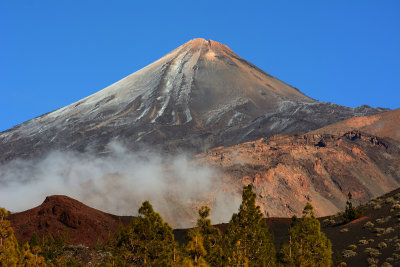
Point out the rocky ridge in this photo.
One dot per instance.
(385, 124)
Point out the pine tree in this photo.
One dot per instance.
(9, 250)
(148, 240)
(247, 236)
(351, 213)
(195, 248)
(27, 259)
(237, 257)
(212, 238)
(307, 245)
(52, 247)
(35, 240)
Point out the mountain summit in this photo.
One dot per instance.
(198, 96)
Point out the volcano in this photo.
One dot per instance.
(200, 95)
(58, 215)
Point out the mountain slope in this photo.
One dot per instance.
(385, 124)
(198, 96)
(58, 215)
(288, 171)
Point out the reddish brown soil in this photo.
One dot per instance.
(385, 124)
(58, 215)
(287, 171)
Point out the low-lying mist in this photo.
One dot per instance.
(118, 183)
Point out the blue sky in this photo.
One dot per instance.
(53, 53)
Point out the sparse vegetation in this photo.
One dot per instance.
(348, 253)
(382, 245)
(389, 200)
(396, 256)
(379, 230)
(377, 206)
(383, 220)
(245, 241)
(329, 222)
(390, 259)
(351, 213)
(352, 247)
(373, 252)
(389, 230)
(395, 207)
(373, 261)
(369, 225)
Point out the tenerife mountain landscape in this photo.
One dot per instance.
(193, 129)
(199, 96)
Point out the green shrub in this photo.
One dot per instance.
(390, 259)
(389, 200)
(329, 221)
(368, 224)
(352, 247)
(348, 253)
(372, 252)
(377, 207)
(396, 206)
(379, 230)
(372, 261)
(362, 242)
(383, 220)
(388, 230)
(382, 245)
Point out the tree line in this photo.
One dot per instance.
(149, 241)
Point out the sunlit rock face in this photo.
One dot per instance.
(198, 96)
(287, 171)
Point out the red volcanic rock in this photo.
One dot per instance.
(289, 171)
(385, 124)
(61, 214)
